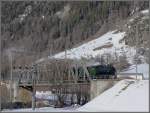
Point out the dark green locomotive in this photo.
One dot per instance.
(99, 72)
(102, 72)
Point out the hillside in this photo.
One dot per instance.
(40, 25)
(47, 28)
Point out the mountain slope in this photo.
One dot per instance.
(90, 49)
(42, 26)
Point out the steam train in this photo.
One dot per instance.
(102, 72)
(99, 72)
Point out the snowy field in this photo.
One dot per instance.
(125, 96)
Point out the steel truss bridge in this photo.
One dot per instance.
(58, 76)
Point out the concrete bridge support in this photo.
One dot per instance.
(15, 92)
(99, 86)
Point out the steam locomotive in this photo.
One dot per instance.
(102, 72)
(99, 72)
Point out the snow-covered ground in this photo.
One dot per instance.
(125, 96)
(146, 11)
(47, 95)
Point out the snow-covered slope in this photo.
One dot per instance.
(90, 49)
(127, 95)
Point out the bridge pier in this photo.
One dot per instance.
(33, 93)
(16, 91)
(100, 85)
(33, 99)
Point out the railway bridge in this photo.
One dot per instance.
(58, 76)
(61, 77)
